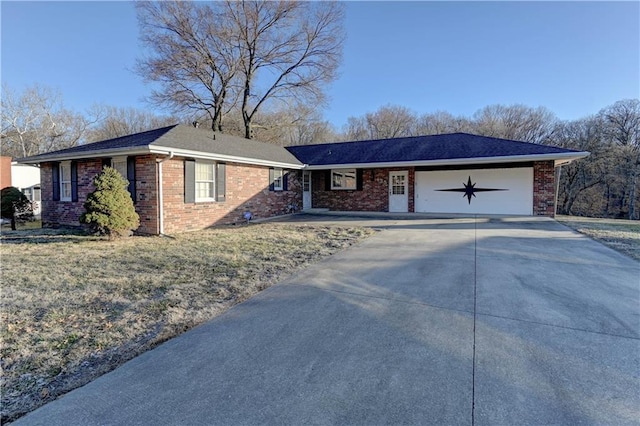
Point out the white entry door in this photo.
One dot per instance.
(398, 191)
(306, 190)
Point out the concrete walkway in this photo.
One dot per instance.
(457, 321)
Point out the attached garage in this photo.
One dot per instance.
(451, 173)
(475, 191)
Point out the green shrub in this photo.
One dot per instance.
(15, 206)
(109, 209)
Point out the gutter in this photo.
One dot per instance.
(42, 158)
(160, 197)
(561, 158)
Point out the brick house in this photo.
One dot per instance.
(455, 173)
(183, 178)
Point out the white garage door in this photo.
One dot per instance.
(485, 191)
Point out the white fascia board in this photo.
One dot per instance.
(162, 151)
(559, 158)
(225, 158)
(103, 153)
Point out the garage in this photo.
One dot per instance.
(475, 191)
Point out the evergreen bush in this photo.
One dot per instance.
(15, 206)
(109, 209)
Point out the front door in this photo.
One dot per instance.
(398, 191)
(306, 190)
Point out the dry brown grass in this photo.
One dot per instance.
(621, 235)
(75, 306)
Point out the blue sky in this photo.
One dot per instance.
(571, 57)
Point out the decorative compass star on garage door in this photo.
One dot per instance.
(470, 190)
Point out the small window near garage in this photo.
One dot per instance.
(343, 179)
(205, 181)
(120, 164)
(278, 176)
(65, 181)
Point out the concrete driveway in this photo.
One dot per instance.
(457, 321)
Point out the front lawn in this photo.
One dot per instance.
(74, 306)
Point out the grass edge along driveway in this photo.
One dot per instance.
(74, 307)
(621, 235)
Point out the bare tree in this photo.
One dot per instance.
(298, 125)
(441, 122)
(212, 57)
(192, 55)
(120, 121)
(621, 125)
(389, 121)
(517, 122)
(581, 179)
(296, 46)
(36, 121)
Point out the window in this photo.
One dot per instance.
(120, 164)
(65, 181)
(343, 179)
(205, 181)
(278, 176)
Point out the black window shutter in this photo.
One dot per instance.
(285, 181)
(74, 181)
(189, 181)
(327, 180)
(221, 182)
(271, 177)
(106, 162)
(55, 178)
(359, 179)
(131, 177)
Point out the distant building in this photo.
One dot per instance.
(27, 179)
(5, 172)
(24, 177)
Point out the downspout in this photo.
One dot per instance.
(557, 192)
(160, 197)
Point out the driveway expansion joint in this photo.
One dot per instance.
(558, 326)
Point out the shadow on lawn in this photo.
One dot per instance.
(46, 235)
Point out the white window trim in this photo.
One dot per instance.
(213, 182)
(344, 171)
(63, 165)
(278, 174)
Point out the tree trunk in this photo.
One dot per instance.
(13, 218)
(632, 195)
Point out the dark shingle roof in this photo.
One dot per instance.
(454, 146)
(418, 148)
(177, 137)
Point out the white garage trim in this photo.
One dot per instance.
(479, 191)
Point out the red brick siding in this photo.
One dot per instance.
(67, 213)
(147, 194)
(5, 172)
(374, 196)
(544, 188)
(247, 189)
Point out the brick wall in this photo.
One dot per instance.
(374, 196)
(67, 213)
(247, 189)
(147, 194)
(544, 188)
(5, 172)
